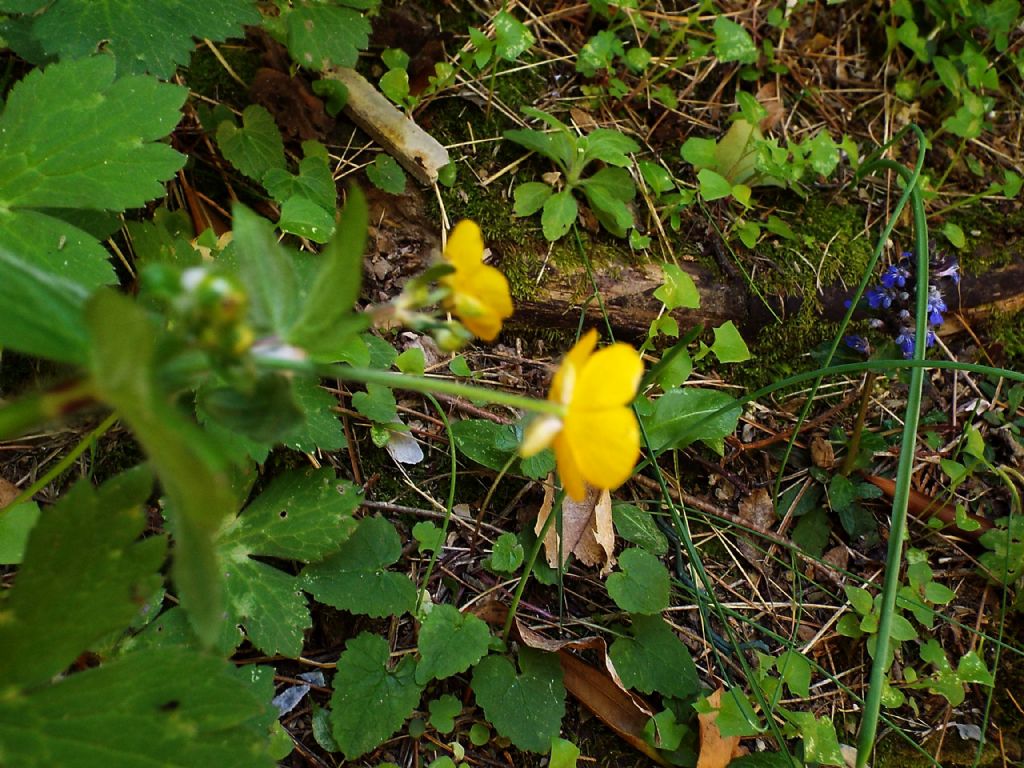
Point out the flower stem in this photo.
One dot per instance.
(432, 385)
(528, 567)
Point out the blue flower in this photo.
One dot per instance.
(895, 277)
(879, 298)
(858, 344)
(936, 306)
(906, 338)
(950, 269)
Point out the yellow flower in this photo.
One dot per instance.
(597, 440)
(479, 293)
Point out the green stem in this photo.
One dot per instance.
(449, 504)
(528, 567)
(429, 385)
(904, 470)
(853, 447)
(61, 466)
(19, 416)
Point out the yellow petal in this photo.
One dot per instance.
(485, 326)
(491, 287)
(605, 445)
(609, 378)
(568, 469)
(539, 434)
(564, 381)
(465, 249)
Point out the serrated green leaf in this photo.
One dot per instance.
(302, 515)
(321, 36)
(558, 214)
(681, 417)
(320, 427)
(169, 707)
(528, 707)
(143, 38)
(255, 148)
(40, 313)
(71, 136)
(637, 526)
(530, 197)
(82, 577)
(377, 403)
(678, 289)
(263, 415)
(386, 174)
(370, 701)
(268, 603)
(356, 579)
(733, 42)
(450, 643)
(641, 585)
(313, 181)
(655, 659)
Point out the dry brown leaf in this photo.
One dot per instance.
(822, 453)
(768, 96)
(8, 492)
(587, 530)
(716, 751)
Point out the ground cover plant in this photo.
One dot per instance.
(676, 419)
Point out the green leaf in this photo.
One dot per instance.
(736, 716)
(655, 659)
(15, 525)
(972, 669)
(267, 272)
(530, 197)
(564, 754)
(512, 38)
(40, 313)
(71, 136)
(485, 442)
(412, 361)
(256, 148)
(263, 415)
(321, 36)
(795, 670)
(142, 38)
(525, 707)
(305, 218)
(450, 643)
(608, 191)
(559, 213)
(609, 146)
(681, 417)
(166, 707)
(713, 186)
(356, 579)
(337, 285)
(82, 577)
(558, 146)
(443, 712)
(729, 346)
(733, 42)
(678, 289)
(699, 152)
(188, 463)
(377, 404)
(656, 177)
(507, 554)
(819, 736)
(321, 428)
(385, 173)
(823, 153)
(460, 367)
(313, 181)
(954, 234)
(302, 515)
(429, 536)
(637, 526)
(370, 701)
(641, 585)
(395, 85)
